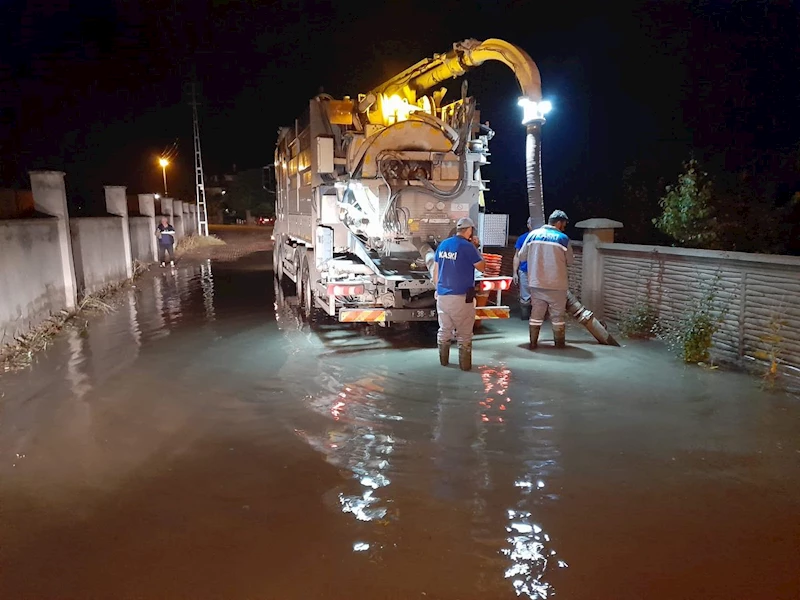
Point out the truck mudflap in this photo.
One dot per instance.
(404, 315)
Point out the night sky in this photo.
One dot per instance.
(98, 89)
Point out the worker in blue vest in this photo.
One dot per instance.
(165, 233)
(521, 275)
(457, 258)
(549, 256)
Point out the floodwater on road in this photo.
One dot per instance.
(201, 442)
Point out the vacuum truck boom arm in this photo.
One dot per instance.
(464, 56)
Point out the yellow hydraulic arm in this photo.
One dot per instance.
(416, 80)
(410, 86)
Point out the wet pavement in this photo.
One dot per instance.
(202, 442)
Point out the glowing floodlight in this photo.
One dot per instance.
(534, 111)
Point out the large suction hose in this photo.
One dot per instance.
(533, 172)
(586, 318)
(428, 255)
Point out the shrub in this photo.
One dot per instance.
(691, 335)
(641, 321)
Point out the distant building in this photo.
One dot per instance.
(218, 185)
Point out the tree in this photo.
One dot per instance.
(247, 193)
(687, 213)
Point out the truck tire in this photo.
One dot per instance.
(277, 260)
(306, 293)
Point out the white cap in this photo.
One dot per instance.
(464, 223)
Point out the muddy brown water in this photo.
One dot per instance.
(202, 442)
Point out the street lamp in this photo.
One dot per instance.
(163, 162)
(533, 118)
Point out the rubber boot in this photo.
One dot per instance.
(444, 354)
(560, 336)
(534, 333)
(524, 311)
(465, 358)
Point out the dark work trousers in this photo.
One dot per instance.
(162, 252)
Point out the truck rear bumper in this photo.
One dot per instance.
(404, 315)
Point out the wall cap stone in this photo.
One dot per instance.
(598, 224)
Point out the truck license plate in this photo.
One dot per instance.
(414, 314)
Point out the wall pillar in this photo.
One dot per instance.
(595, 231)
(147, 208)
(166, 207)
(177, 219)
(50, 198)
(117, 204)
(187, 219)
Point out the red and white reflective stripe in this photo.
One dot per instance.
(342, 289)
(362, 316)
(501, 283)
(492, 312)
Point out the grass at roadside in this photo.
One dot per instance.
(228, 243)
(194, 242)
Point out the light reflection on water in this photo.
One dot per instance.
(354, 428)
(207, 284)
(356, 435)
(80, 382)
(356, 439)
(528, 548)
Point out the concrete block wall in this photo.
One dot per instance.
(99, 252)
(755, 292)
(37, 273)
(147, 208)
(117, 204)
(193, 218)
(50, 198)
(32, 283)
(188, 221)
(575, 270)
(47, 261)
(142, 233)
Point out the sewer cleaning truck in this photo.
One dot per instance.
(368, 186)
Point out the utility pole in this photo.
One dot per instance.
(200, 189)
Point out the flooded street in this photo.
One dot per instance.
(201, 442)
